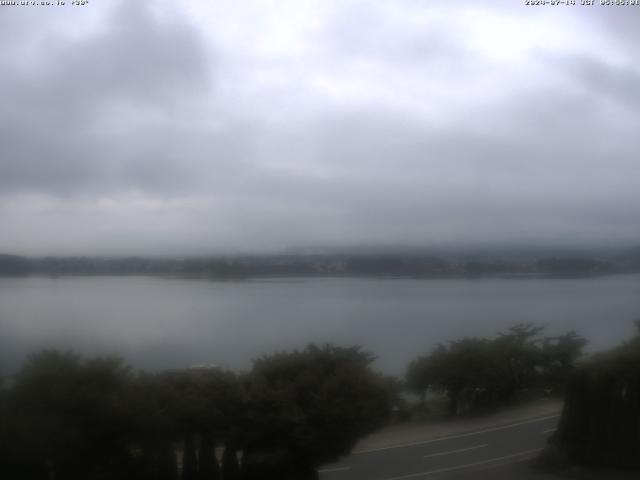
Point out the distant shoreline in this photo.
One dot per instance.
(243, 278)
(391, 265)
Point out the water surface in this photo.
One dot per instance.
(169, 323)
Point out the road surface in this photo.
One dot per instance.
(494, 452)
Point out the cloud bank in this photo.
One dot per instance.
(158, 127)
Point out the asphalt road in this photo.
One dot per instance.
(502, 451)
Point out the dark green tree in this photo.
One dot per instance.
(309, 407)
(230, 467)
(189, 459)
(600, 423)
(69, 416)
(477, 372)
(519, 355)
(465, 371)
(208, 464)
(179, 406)
(561, 354)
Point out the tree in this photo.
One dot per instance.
(176, 407)
(208, 464)
(309, 407)
(466, 371)
(189, 459)
(69, 417)
(560, 356)
(519, 356)
(479, 372)
(428, 372)
(230, 466)
(600, 421)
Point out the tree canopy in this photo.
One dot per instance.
(600, 422)
(312, 405)
(481, 372)
(68, 417)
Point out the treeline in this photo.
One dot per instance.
(480, 373)
(68, 418)
(401, 265)
(600, 424)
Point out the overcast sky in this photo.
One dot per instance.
(193, 127)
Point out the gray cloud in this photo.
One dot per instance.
(213, 128)
(67, 116)
(614, 83)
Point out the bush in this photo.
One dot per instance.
(92, 419)
(600, 424)
(477, 373)
(314, 404)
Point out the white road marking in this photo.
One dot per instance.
(451, 452)
(336, 469)
(453, 437)
(505, 463)
(549, 430)
(468, 465)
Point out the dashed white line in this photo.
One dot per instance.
(462, 435)
(451, 452)
(495, 466)
(336, 469)
(468, 465)
(549, 430)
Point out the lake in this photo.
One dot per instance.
(170, 323)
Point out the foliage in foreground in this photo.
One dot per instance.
(70, 418)
(476, 373)
(600, 424)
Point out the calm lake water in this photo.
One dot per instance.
(168, 323)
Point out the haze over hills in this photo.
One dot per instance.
(370, 261)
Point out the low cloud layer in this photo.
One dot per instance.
(155, 127)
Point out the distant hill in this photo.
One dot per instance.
(13, 265)
(403, 263)
(630, 259)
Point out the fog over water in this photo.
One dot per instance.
(172, 323)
